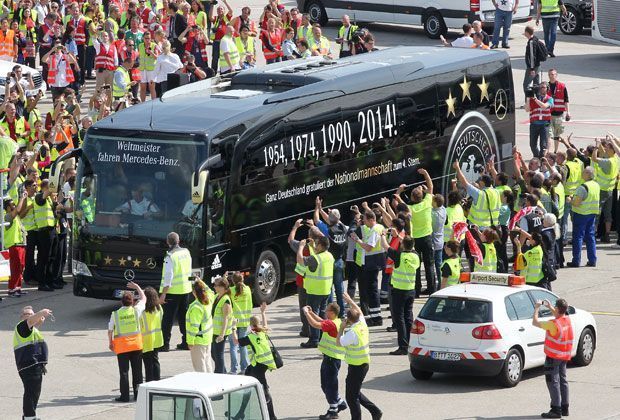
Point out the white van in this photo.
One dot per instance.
(202, 396)
(436, 16)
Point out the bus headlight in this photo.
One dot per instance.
(80, 269)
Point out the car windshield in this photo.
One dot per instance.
(456, 310)
(139, 187)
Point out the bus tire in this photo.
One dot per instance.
(267, 277)
(434, 26)
(317, 12)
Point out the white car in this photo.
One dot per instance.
(7, 66)
(436, 16)
(484, 327)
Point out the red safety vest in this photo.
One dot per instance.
(558, 98)
(539, 113)
(275, 40)
(80, 30)
(44, 30)
(560, 346)
(145, 16)
(105, 58)
(389, 265)
(203, 48)
(53, 69)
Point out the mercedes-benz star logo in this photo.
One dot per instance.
(151, 263)
(447, 330)
(129, 275)
(501, 104)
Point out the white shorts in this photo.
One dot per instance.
(147, 76)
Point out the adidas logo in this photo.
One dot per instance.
(216, 263)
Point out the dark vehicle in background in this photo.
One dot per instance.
(230, 163)
(578, 16)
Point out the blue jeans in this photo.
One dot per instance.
(339, 284)
(329, 381)
(243, 352)
(584, 229)
(503, 20)
(318, 304)
(438, 259)
(538, 131)
(550, 27)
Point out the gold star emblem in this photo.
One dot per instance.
(465, 86)
(136, 263)
(484, 89)
(107, 260)
(451, 102)
(122, 261)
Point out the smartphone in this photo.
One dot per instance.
(191, 278)
(105, 87)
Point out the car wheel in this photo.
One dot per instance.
(420, 375)
(585, 349)
(434, 26)
(317, 12)
(267, 277)
(571, 23)
(512, 370)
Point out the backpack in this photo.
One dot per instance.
(540, 50)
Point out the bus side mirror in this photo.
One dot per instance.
(199, 181)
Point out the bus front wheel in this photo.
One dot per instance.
(267, 277)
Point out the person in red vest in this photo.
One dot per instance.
(539, 106)
(106, 60)
(59, 75)
(130, 50)
(272, 42)
(558, 348)
(244, 19)
(559, 93)
(219, 22)
(81, 32)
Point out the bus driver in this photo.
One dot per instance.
(139, 205)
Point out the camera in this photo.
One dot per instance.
(530, 92)
(358, 35)
(12, 74)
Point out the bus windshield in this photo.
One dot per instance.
(139, 187)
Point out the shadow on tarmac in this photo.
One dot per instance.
(79, 400)
(599, 66)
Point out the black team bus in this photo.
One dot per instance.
(230, 163)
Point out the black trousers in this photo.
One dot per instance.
(402, 314)
(424, 247)
(46, 241)
(60, 259)
(32, 379)
(354, 396)
(44, 65)
(351, 274)
(32, 239)
(152, 371)
(175, 304)
(81, 58)
(301, 298)
(344, 54)
(218, 351)
(124, 360)
(258, 372)
(215, 56)
(369, 293)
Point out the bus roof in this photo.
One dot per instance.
(207, 384)
(230, 100)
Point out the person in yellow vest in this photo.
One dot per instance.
(354, 336)
(406, 265)
(345, 37)
(572, 180)
(8, 42)
(149, 51)
(125, 340)
(175, 289)
(14, 241)
(15, 126)
(31, 355)
(607, 166)
(585, 204)
(486, 240)
(454, 214)
(318, 280)
(333, 355)
(241, 296)
(152, 337)
(305, 30)
(199, 327)
(370, 257)
(229, 54)
(261, 359)
(45, 220)
(319, 45)
(533, 258)
(246, 47)
(27, 217)
(421, 228)
(122, 84)
(222, 322)
(451, 267)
